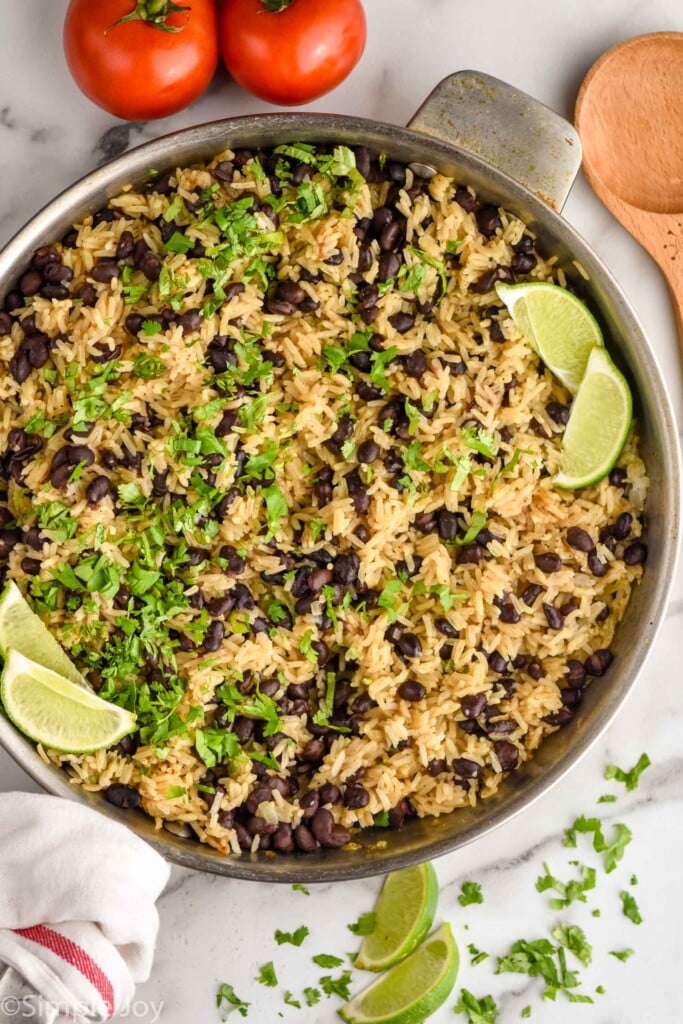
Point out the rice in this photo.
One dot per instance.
(311, 642)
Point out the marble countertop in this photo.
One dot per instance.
(214, 930)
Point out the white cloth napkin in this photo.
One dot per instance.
(77, 904)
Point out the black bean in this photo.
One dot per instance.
(570, 697)
(330, 794)
(236, 564)
(464, 768)
(508, 612)
(305, 840)
(548, 562)
(30, 282)
(31, 566)
(368, 451)
(367, 392)
(412, 691)
(598, 662)
(150, 265)
(283, 839)
(579, 539)
(447, 524)
(219, 606)
(20, 366)
(523, 262)
(636, 553)
(97, 489)
(553, 616)
(507, 754)
(530, 593)
(617, 477)
(389, 266)
(390, 236)
(223, 171)
(623, 526)
(485, 282)
(126, 797)
(560, 717)
(190, 321)
(470, 554)
(558, 413)
(535, 670)
(415, 364)
(213, 638)
(488, 220)
(425, 522)
(328, 833)
(346, 568)
(356, 797)
(602, 614)
(472, 704)
(402, 322)
(446, 628)
(105, 271)
(595, 566)
(409, 645)
(309, 803)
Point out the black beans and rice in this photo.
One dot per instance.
(277, 472)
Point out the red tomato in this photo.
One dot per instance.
(292, 55)
(136, 69)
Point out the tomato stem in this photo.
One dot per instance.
(154, 12)
(275, 6)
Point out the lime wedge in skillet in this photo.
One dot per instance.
(561, 329)
(598, 425)
(410, 991)
(23, 631)
(403, 915)
(56, 712)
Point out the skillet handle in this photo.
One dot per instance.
(507, 128)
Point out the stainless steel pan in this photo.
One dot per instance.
(517, 153)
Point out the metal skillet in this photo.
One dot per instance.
(517, 153)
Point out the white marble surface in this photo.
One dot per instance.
(214, 930)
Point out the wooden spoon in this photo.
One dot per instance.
(629, 114)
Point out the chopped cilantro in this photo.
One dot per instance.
(607, 798)
(380, 361)
(613, 851)
(470, 892)
(175, 207)
(387, 599)
(41, 424)
(267, 975)
(327, 961)
(413, 414)
(477, 955)
(298, 887)
(312, 996)
(215, 746)
(179, 243)
(411, 279)
(630, 778)
(537, 959)
(337, 986)
(526, 1012)
(478, 440)
(630, 907)
(432, 261)
(477, 524)
(132, 293)
(173, 792)
(412, 458)
(575, 889)
(622, 954)
(257, 465)
(479, 1011)
(573, 938)
(148, 367)
(294, 938)
(253, 414)
(226, 994)
(56, 517)
(306, 648)
(365, 924)
(276, 508)
(291, 1001)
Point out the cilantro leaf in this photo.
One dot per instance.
(630, 778)
(215, 746)
(327, 960)
(613, 851)
(227, 994)
(276, 508)
(291, 1001)
(622, 954)
(575, 889)
(298, 887)
(478, 440)
(479, 1011)
(470, 892)
(574, 939)
(337, 986)
(312, 996)
(294, 938)
(365, 924)
(267, 975)
(630, 908)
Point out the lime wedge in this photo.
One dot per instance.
(403, 915)
(561, 329)
(22, 630)
(412, 990)
(598, 424)
(56, 712)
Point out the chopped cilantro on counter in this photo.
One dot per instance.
(477, 955)
(622, 954)
(573, 938)
(266, 975)
(630, 907)
(575, 889)
(479, 1011)
(365, 924)
(298, 887)
(294, 938)
(613, 850)
(291, 1001)
(470, 892)
(630, 778)
(340, 986)
(327, 961)
(312, 996)
(227, 994)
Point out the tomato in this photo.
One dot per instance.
(295, 54)
(144, 68)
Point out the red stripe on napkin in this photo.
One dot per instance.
(76, 956)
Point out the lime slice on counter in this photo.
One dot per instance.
(410, 991)
(22, 630)
(561, 329)
(56, 712)
(403, 915)
(598, 425)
